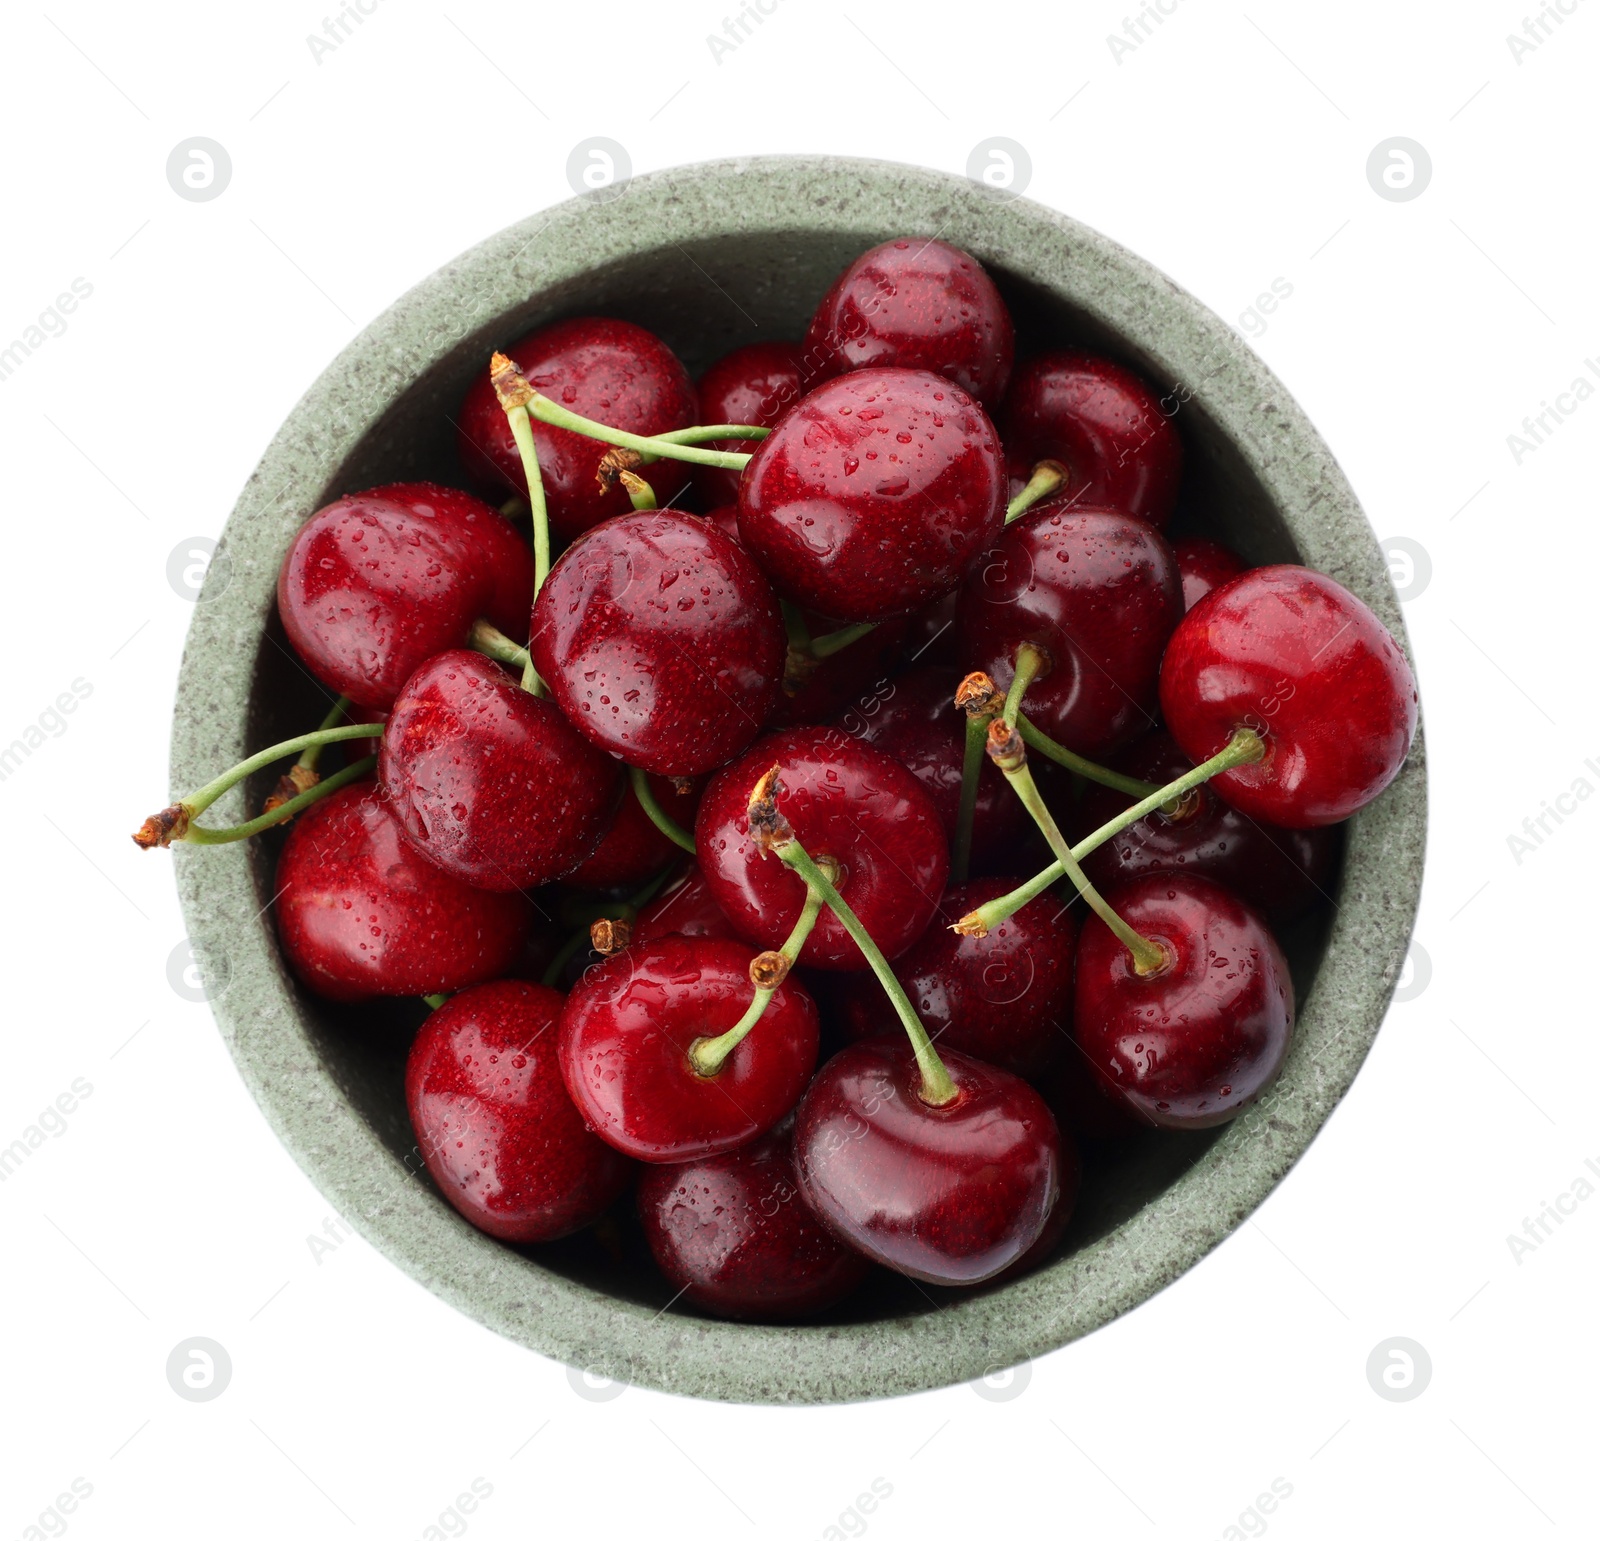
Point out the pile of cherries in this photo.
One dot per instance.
(731, 848)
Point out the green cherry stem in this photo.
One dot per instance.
(302, 775)
(1076, 763)
(495, 644)
(435, 1001)
(658, 815)
(198, 834)
(1031, 661)
(977, 697)
(667, 446)
(837, 641)
(640, 493)
(1048, 476)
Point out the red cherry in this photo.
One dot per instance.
(755, 384)
(950, 1195)
(873, 493)
(1200, 1039)
(662, 642)
(362, 914)
(1005, 998)
(1101, 421)
(1283, 872)
(736, 1236)
(1297, 657)
(494, 1123)
(684, 908)
(381, 580)
(1098, 592)
(1204, 565)
(844, 800)
(490, 782)
(630, 1023)
(915, 304)
(609, 370)
(632, 848)
(1055, 1225)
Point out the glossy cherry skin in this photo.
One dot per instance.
(1060, 1216)
(1282, 872)
(1104, 423)
(632, 848)
(662, 641)
(734, 1233)
(913, 719)
(1005, 998)
(627, 1030)
(490, 782)
(755, 384)
(378, 582)
(916, 304)
(843, 799)
(601, 368)
(684, 908)
(1204, 565)
(1297, 657)
(494, 1123)
(1098, 591)
(361, 913)
(873, 494)
(949, 1195)
(1194, 1043)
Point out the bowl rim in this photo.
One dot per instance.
(259, 1015)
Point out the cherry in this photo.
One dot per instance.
(736, 1236)
(915, 304)
(361, 913)
(1102, 422)
(1297, 657)
(494, 1124)
(632, 848)
(599, 367)
(873, 493)
(684, 908)
(1097, 591)
(1005, 998)
(755, 384)
(1199, 1039)
(1083, 1108)
(381, 580)
(1060, 1216)
(949, 1195)
(490, 782)
(1204, 565)
(661, 640)
(626, 1035)
(849, 678)
(1283, 872)
(846, 801)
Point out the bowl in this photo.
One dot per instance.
(712, 256)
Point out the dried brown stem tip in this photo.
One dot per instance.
(609, 936)
(161, 829)
(300, 778)
(768, 970)
(511, 386)
(977, 696)
(614, 462)
(971, 924)
(1005, 746)
(768, 827)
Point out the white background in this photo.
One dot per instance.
(1228, 147)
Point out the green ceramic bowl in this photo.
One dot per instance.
(712, 256)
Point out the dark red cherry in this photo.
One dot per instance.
(684, 908)
(1098, 591)
(381, 580)
(1101, 421)
(1204, 565)
(609, 370)
(950, 1195)
(1055, 1225)
(1283, 872)
(755, 384)
(490, 782)
(1200, 1039)
(1005, 998)
(844, 800)
(873, 494)
(632, 848)
(361, 913)
(662, 641)
(915, 304)
(737, 1237)
(494, 1123)
(630, 1023)
(1297, 657)
(913, 719)
(1084, 1109)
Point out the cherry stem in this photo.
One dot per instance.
(977, 697)
(1031, 661)
(667, 446)
(197, 834)
(1076, 763)
(795, 628)
(640, 493)
(708, 1054)
(435, 1001)
(658, 815)
(837, 641)
(302, 775)
(313, 752)
(1245, 748)
(628, 910)
(1048, 476)
(495, 644)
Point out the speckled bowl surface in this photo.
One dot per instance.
(711, 256)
